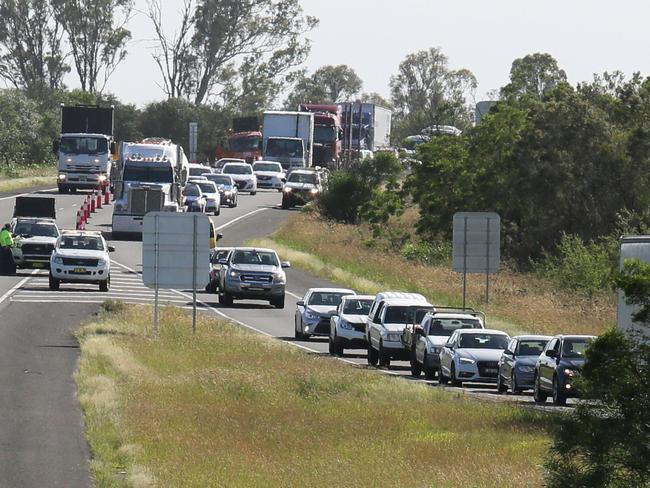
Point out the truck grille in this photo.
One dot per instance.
(80, 262)
(37, 249)
(249, 278)
(145, 200)
(488, 369)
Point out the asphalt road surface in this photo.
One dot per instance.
(42, 429)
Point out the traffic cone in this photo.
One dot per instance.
(107, 193)
(92, 202)
(78, 224)
(98, 205)
(81, 221)
(86, 209)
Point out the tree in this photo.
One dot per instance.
(225, 49)
(426, 92)
(31, 37)
(533, 75)
(328, 84)
(375, 98)
(97, 36)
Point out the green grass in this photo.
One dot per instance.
(18, 178)
(226, 407)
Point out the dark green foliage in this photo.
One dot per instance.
(346, 193)
(328, 84)
(634, 280)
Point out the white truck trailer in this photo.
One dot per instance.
(288, 138)
(632, 247)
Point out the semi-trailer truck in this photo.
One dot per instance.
(328, 133)
(366, 126)
(288, 138)
(245, 141)
(85, 147)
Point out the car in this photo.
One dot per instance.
(389, 314)
(81, 257)
(253, 273)
(212, 195)
(302, 186)
(217, 256)
(35, 241)
(426, 340)
(242, 174)
(219, 164)
(517, 363)
(198, 169)
(227, 188)
(313, 312)
(472, 356)
(269, 175)
(348, 324)
(195, 200)
(557, 366)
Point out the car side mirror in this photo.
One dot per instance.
(111, 248)
(219, 235)
(551, 353)
(222, 261)
(300, 303)
(418, 330)
(284, 180)
(285, 264)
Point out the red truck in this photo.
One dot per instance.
(327, 133)
(245, 142)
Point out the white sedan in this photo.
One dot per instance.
(212, 195)
(269, 175)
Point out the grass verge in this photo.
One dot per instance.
(227, 407)
(29, 177)
(518, 303)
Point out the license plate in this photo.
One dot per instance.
(490, 370)
(79, 270)
(38, 265)
(82, 178)
(256, 288)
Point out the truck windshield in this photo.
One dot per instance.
(309, 178)
(83, 145)
(148, 174)
(324, 134)
(245, 144)
(36, 229)
(445, 327)
(277, 148)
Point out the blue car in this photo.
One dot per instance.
(517, 363)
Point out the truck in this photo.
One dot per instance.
(328, 133)
(34, 225)
(151, 176)
(85, 147)
(245, 142)
(632, 247)
(366, 126)
(288, 138)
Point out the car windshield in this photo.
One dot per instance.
(483, 341)
(404, 315)
(86, 243)
(446, 326)
(302, 178)
(219, 179)
(324, 134)
(357, 306)
(192, 191)
(83, 145)
(245, 144)
(237, 169)
(277, 148)
(36, 229)
(529, 347)
(198, 171)
(148, 174)
(274, 167)
(255, 257)
(207, 187)
(219, 254)
(575, 348)
(327, 298)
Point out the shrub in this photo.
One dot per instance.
(346, 193)
(427, 252)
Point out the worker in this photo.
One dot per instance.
(7, 263)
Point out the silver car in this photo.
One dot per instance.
(314, 311)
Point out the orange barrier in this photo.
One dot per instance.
(107, 193)
(98, 203)
(92, 202)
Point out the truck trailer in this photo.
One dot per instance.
(366, 126)
(288, 138)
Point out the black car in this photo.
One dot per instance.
(558, 365)
(517, 363)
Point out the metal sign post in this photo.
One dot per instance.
(194, 270)
(157, 265)
(194, 141)
(465, 263)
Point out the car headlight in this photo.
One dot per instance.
(570, 372)
(62, 177)
(287, 189)
(466, 361)
(310, 316)
(392, 337)
(234, 274)
(526, 369)
(228, 192)
(279, 277)
(314, 191)
(58, 260)
(344, 324)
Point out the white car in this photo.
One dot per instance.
(348, 324)
(35, 241)
(219, 164)
(314, 311)
(242, 174)
(211, 192)
(472, 356)
(269, 175)
(81, 257)
(198, 169)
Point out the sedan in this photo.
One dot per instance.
(212, 196)
(314, 311)
(517, 363)
(472, 356)
(269, 175)
(227, 188)
(348, 324)
(194, 198)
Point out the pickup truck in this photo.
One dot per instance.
(424, 341)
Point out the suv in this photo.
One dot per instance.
(313, 312)
(36, 238)
(348, 324)
(302, 186)
(558, 365)
(389, 314)
(81, 257)
(251, 273)
(242, 174)
(425, 341)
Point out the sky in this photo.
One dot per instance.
(374, 36)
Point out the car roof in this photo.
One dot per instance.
(399, 294)
(81, 233)
(263, 249)
(533, 337)
(360, 297)
(333, 290)
(192, 179)
(573, 336)
(266, 162)
(45, 220)
(231, 160)
(450, 315)
(481, 331)
(237, 163)
(406, 302)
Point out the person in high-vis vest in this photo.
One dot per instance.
(7, 263)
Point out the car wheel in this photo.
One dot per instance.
(384, 358)
(513, 383)
(538, 395)
(416, 368)
(285, 204)
(442, 379)
(253, 193)
(104, 286)
(373, 355)
(339, 349)
(297, 333)
(225, 298)
(54, 283)
(217, 212)
(455, 381)
(501, 388)
(559, 397)
(278, 302)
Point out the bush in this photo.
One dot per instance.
(427, 253)
(346, 193)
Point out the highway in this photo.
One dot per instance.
(42, 426)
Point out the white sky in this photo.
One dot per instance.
(485, 36)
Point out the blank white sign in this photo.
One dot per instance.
(477, 242)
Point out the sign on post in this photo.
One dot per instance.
(194, 141)
(175, 250)
(476, 246)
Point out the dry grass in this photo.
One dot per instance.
(518, 303)
(230, 408)
(30, 177)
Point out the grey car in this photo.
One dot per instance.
(517, 363)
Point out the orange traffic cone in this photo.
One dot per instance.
(98, 204)
(92, 202)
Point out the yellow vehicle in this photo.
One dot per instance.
(214, 235)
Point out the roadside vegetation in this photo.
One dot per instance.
(20, 177)
(227, 407)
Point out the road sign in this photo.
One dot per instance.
(477, 246)
(175, 253)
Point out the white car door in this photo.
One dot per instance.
(377, 326)
(421, 341)
(447, 354)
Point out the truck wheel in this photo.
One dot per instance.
(339, 349)
(416, 368)
(54, 283)
(105, 285)
(63, 190)
(373, 355)
(455, 381)
(384, 358)
(217, 212)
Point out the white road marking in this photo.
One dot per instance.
(242, 217)
(293, 295)
(20, 283)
